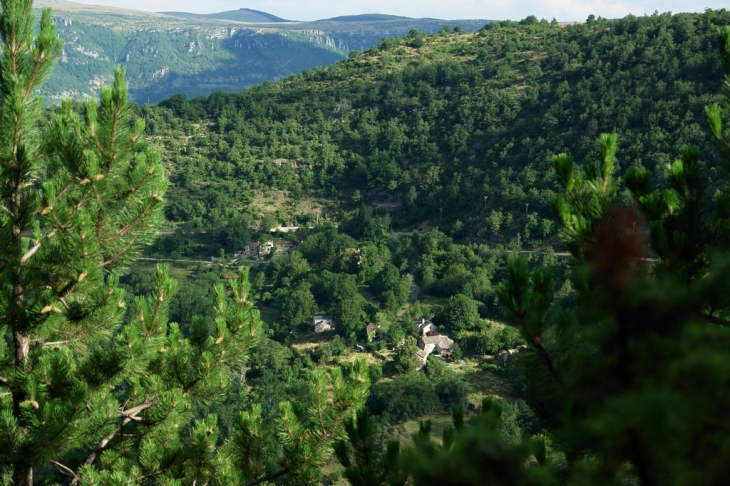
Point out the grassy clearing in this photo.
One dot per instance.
(312, 341)
(432, 301)
(329, 470)
(282, 202)
(351, 357)
(439, 421)
(486, 383)
(365, 291)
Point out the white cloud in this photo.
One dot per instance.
(563, 10)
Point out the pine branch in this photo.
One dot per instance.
(132, 189)
(121, 253)
(63, 191)
(150, 475)
(54, 343)
(66, 471)
(327, 433)
(242, 348)
(79, 334)
(67, 289)
(37, 246)
(31, 81)
(271, 476)
(537, 342)
(132, 412)
(129, 416)
(115, 120)
(58, 221)
(100, 215)
(130, 226)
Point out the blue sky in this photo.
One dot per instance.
(563, 10)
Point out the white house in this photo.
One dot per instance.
(266, 248)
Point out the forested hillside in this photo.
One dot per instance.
(455, 130)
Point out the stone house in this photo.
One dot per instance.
(422, 357)
(323, 324)
(426, 327)
(438, 344)
(251, 250)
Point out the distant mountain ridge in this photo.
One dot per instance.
(240, 15)
(363, 18)
(197, 54)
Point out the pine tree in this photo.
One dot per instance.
(633, 384)
(361, 457)
(477, 454)
(85, 399)
(75, 203)
(472, 455)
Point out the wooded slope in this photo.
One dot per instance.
(440, 122)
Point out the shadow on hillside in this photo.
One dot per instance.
(255, 57)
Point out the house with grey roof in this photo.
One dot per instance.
(439, 344)
(426, 327)
(422, 357)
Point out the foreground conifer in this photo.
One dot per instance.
(633, 384)
(85, 399)
(75, 203)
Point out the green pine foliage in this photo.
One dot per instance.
(91, 393)
(477, 454)
(75, 204)
(364, 463)
(472, 454)
(630, 385)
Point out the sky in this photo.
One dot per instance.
(563, 10)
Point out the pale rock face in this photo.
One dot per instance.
(86, 52)
(161, 73)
